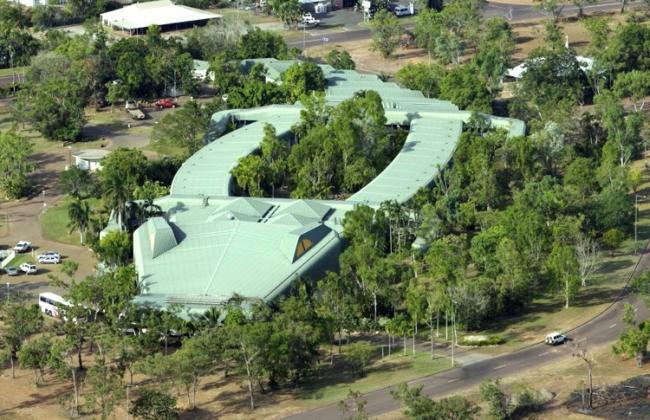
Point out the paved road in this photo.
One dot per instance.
(512, 12)
(603, 329)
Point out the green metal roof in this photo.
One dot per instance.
(210, 245)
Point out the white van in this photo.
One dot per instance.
(52, 304)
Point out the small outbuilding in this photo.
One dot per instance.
(136, 18)
(89, 159)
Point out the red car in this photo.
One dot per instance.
(165, 103)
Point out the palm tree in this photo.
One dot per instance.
(118, 195)
(79, 215)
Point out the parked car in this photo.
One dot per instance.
(23, 246)
(49, 259)
(11, 270)
(28, 268)
(49, 254)
(401, 11)
(52, 257)
(165, 103)
(308, 20)
(133, 108)
(555, 338)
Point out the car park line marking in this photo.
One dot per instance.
(500, 367)
(452, 380)
(612, 326)
(544, 354)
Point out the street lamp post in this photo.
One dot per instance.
(453, 322)
(636, 217)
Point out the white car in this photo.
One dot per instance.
(23, 246)
(555, 338)
(28, 268)
(402, 11)
(49, 257)
(309, 20)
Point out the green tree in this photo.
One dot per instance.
(192, 362)
(122, 171)
(358, 355)
(289, 11)
(552, 81)
(35, 355)
(183, 128)
(115, 248)
(633, 342)
(461, 87)
(494, 51)
(613, 238)
(420, 407)
(14, 164)
(76, 182)
(386, 33)
(246, 341)
(423, 77)
(79, 215)
(634, 85)
(340, 59)
(301, 79)
(154, 405)
(497, 400)
(262, 44)
(54, 96)
(336, 305)
(105, 386)
(563, 268)
(249, 174)
(18, 323)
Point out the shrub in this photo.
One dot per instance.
(481, 340)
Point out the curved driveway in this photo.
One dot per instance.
(602, 329)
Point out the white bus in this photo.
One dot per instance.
(51, 304)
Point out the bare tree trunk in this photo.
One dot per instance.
(75, 407)
(374, 298)
(432, 340)
(13, 368)
(404, 345)
(340, 334)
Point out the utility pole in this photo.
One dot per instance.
(636, 217)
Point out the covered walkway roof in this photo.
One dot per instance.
(210, 245)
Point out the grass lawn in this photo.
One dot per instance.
(9, 72)
(54, 222)
(332, 383)
(247, 15)
(165, 149)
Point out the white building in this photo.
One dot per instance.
(136, 18)
(89, 159)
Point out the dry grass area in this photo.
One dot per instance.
(528, 36)
(562, 378)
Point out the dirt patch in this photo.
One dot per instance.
(528, 36)
(628, 399)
